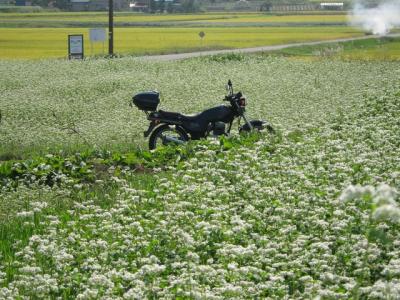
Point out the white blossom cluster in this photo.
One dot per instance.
(303, 217)
(383, 198)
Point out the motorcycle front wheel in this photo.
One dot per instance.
(257, 126)
(166, 135)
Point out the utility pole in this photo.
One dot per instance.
(110, 28)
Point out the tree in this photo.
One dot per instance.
(170, 7)
(190, 6)
(61, 4)
(161, 5)
(266, 6)
(152, 6)
(42, 3)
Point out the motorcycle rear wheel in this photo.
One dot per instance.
(165, 135)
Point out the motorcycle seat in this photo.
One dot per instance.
(177, 116)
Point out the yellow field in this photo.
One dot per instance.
(134, 17)
(263, 18)
(52, 42)
(170, 32)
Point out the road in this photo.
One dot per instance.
(168, 57)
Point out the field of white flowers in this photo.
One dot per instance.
(58, 104)
(312, 212)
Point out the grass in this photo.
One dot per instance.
(267, 18)
(388, 49)
(16, 43)
(385, 48)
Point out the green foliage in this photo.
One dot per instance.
(86, 167)
(190, 6)
(226, 58)
(21, 9)
(385, 48)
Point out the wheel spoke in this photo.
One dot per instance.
(168, 136)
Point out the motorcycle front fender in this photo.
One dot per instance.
(256, 124)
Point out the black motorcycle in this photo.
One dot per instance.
(172, 127)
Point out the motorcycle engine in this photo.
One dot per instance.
(219, 128)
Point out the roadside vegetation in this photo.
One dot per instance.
(378, 49)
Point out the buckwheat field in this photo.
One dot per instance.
(310, 212)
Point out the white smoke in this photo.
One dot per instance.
(378, 20)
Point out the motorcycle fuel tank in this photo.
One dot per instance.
(219, 113)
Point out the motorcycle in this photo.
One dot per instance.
(173, 127)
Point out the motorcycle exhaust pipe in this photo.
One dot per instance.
(170, 139)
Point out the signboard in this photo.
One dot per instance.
(97, 34)
(75, 46)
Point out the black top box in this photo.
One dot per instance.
(147, 101)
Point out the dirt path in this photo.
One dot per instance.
(179, 56)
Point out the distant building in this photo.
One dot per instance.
(156, 6)
(139, 6)
(332, 5)
(291, 7)
(80, 5)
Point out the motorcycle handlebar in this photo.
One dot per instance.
(227, 98)
(233, 96)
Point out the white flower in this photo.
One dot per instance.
(355, 192)
(387, 212)
(384, 194)
(25, 214)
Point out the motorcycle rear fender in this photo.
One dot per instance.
(150, 129)
(153, 125)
